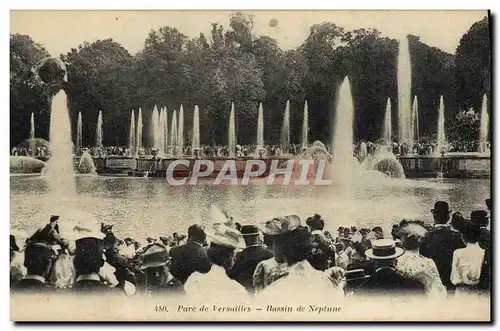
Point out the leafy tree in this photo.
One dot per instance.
(98, 79)
(473, 66)
(234, 65)
(26, 98)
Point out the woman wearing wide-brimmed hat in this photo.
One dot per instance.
(301, 279)
(215, 284)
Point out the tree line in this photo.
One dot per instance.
(234, 65)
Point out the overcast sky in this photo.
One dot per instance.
(59, 31)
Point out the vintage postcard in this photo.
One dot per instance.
(250, 166)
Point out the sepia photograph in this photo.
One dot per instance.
(180, 166)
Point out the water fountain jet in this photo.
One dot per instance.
(441, 137)
(415, 123)
(484, 126)
(59, 169)
(79, 145)
(285, 129)
(99, 131)
(138, 135)
(232, 133)
(387, 133)
(342, 138)
(305, 126)
(173, 133)
(260, 127)
(131, 134)
(404, 92)
(180, 131)
(195, 144)
(32, 134)
(165, 130)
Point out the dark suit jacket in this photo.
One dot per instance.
(388, 281)
(31, 286)
(439, 245)
(187, 259)
(49, 235)
(245, 264)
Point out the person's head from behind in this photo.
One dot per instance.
(88, 256)
(315, 222)
(196, 233)
(38, 259)
(441, 212)
(53, 220)
(458, 222)
(488, 203)
(221, 255)
(411, 241)
(154, 263)
(295, 245)
(472, 233)
(378, 232)
(251, 235)
(13, 247)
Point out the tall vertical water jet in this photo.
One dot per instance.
(78, 147)
(232, 133)
(195, 144)
(342, 139)
(260, 127)
(484, 126)
(173, 132)
(180, 131)
(441, 137)
(32, 134)
(59, 168)
(285, 129)
(305, 126)
(99, 131)
(161, 138)
(165, 130)
(138, 135)
(387, 134)
(404, 92)
(415, 125)
(131, 134)
(153, 128)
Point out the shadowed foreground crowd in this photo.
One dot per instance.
(447, 259)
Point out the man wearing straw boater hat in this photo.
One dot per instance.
(247, 260)
(440, 243)
(384, 279)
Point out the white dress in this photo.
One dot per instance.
(302, 285)
(215, 286)
(466, 268)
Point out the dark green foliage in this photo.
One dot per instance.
(233, 65)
